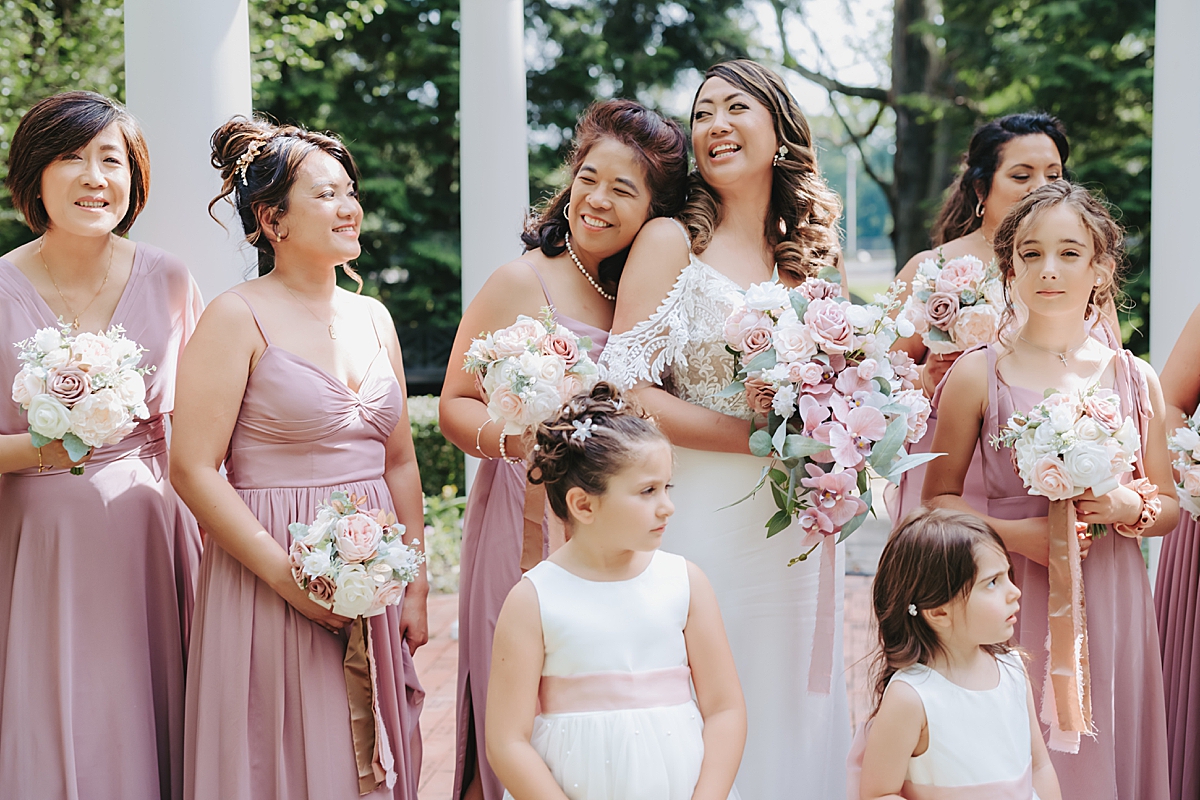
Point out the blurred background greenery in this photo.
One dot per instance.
(901, 82)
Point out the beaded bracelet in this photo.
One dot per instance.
(478, 447)
(1151, 508)
(504, 451)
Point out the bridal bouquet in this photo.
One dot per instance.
(1185, 441)
(529, 369)
(352, 559)
(954, 304)
(836, 400)
(1063, 446)
(86, 390)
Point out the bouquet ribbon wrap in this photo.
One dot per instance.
(533, 536)
(1066, 693)
(372, 752)
(820, 668)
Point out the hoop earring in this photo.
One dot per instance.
(979, 209)
(567, 211)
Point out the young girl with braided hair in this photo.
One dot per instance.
(611, 635)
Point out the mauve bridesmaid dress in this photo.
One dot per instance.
(96, 575)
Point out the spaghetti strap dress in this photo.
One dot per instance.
(267, 716)
(490, 566)
(1127, 759)
(97, 573)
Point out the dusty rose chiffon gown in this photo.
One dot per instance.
(1128, 758)
(1178, 610)
(96, 575)
(267, 714)
(490, 567)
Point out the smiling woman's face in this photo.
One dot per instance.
(86, 191)
(733, 135)
(610, 199)
(323, 217)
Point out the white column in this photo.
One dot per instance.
(494, 153)
(1174, 291)
(187, 70)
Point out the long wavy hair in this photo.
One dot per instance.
(658, 144)
(972, 186)
(802, 221)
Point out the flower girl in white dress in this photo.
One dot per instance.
(955, 717)
(598, 649)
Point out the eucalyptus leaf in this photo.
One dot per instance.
(884, 387)
(885, 450)
(732, 390)
(75, 447)
(764, 360)
(853, 525)
(908, 462)
(761, 480)
(935, 334)
(830, 274)
(799, 304)
(778, 438)
(39, 440)
(778, 522)
(797, 446)
(760, 443)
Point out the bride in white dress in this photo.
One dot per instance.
(757, 205)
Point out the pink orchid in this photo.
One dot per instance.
(850, 381)
(833, 494)
(852, 440)
(814, 520)
(812, 413)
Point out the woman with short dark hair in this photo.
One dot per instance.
(96, 571)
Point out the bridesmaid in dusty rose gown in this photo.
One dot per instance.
(1063, 269)
(628, 164)
(97, 570)
(297, 386)
(1177, 591)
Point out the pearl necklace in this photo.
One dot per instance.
(586, 274)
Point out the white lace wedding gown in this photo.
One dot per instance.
(798, 740)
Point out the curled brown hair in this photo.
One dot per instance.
(801, 223)
(658, 144)
(63, 124)
(928, 562)
(259, 161)
(973, 185)
(1108, 239)
(564, 458)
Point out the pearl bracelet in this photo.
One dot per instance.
(478, 447)
(1151, 508)
(504, 451)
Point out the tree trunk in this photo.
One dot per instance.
(914, 79)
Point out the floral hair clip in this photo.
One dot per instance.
(583, 430)
(247, 158)
(912, 609)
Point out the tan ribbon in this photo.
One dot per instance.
(372, 753)
(1066, 694)
(533, 537)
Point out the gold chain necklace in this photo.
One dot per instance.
(1061, 356)
(112, 246)
(328, 325)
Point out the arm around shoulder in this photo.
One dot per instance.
(657, 256)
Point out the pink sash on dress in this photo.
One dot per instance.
(615, 691)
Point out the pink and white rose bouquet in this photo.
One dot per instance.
(352, 559)
(1185, 442)
(86, 390)
(529, 369)
(836, 401)
(1071, 442)
(955, 305)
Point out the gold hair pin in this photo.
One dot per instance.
(247, 158)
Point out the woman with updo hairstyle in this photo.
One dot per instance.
(296, 387)
(1007, 159)
(96, 570)
(627, 164)
(757, 208)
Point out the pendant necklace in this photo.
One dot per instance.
(75, 321)
(329, 325)
(1061, 356)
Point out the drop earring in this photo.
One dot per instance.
(780, 155)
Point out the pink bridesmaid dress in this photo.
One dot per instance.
(97, 574)
(267, 714)
(1178, 610)
(1127, 760)
(490, 566)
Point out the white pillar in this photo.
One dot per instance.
(1174, 292)
(494, 153)
(187, 70)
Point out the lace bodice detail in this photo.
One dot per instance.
(681, 347)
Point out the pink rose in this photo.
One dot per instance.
(959, 274)
(829, 325)
(26, 386)
(565, 347)
(514, 340)
(759, 395)
(756, 341)
(358, 537)
(806, 373)
(1049, 478)
(296, 559)
(571, 386)
(794, 342)
(817, 289)
(749, 331)
(905, 368)
(388, 595)
(942, 308)
(975, 325)
(1099, 407)
(322, 590)
(1191, 481)
(507, 403)
(69, 385)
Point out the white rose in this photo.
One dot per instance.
(768, 296)
(49, 417)
(918, 412)
(48, 339)
(865, 316)
(793, 342)
(1088, 464)
(126, 350)
(905, 327)
(1045, 437)
(1184, 439)
(1088, 430)
(1027, 453)
(784, 401)
(317, 563)
(26, 386)
(545, 368)
(130, 387)
(57, 358)
(401, 558)
(101, 418)
(1062, 418)
(355, 591)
